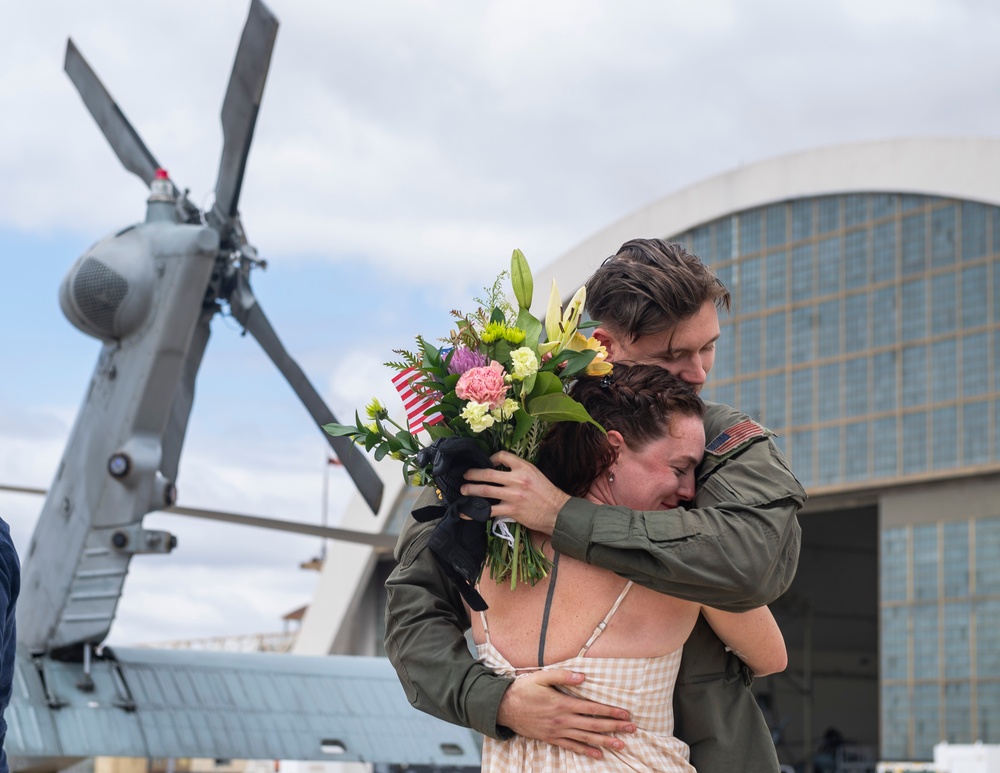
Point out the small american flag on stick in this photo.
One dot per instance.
(413, 402)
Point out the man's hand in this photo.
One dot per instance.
(525, 494)
(534, 708)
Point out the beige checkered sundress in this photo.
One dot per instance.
(644, 686)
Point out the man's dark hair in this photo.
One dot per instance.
(649, 286)
(637, 400)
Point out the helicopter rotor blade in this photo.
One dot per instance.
(248, 313)
(240, 107)
(382, 542)
(120, 134)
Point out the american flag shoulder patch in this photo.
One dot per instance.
(735, 437)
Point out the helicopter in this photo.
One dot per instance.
(149, 293)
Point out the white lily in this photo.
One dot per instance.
(560, 326)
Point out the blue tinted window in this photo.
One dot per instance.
(829, 392)
(914, 247)
(856, 387)
(893, 564)
(855, 259)
(701, 243)
(925, 637)
(884, 447)
(957, 640)
(828, 457)
(914, 376)
(776, 345)
(802, 335)
(987, 567)
(856, 322)
(895, 713)
(776, 275)
(802, 215)
(914, 310)
(926, 716)
(884, 316)
(974, 288)
(750, 345)
(856, 451)
(975, 433)
(944, 304)
(828, 344)
(943, 236)
(914, 443)
(829, 265)
(776, 225)
(910, 201)
(894, 642)
(802, 396)
(802, 456)
(724, 239)
(777, 403)
(944, 370)
(750, 399)
(988, 698)
(725, 355)
(749, 300)
(975, 365)
(944, 437)
(973, 230)
(884, 380)
(855, 209)
(925, 563)
(802, 272)
(956, 561)
(987, 635)
(829, 214)
(883, 205)
(750, 232)
(725, 275)
(884, 252)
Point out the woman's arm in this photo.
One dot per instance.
(754, 636)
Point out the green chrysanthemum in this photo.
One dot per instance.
(496, 331)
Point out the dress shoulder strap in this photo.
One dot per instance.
(607, 619)
(482, 617)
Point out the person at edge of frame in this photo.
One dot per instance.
(10, 586)
(736, 549)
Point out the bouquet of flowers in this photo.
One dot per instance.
(499, 379)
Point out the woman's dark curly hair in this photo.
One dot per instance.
(637, 400)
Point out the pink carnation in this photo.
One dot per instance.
(483, 385)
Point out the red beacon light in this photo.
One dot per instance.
(161, 189)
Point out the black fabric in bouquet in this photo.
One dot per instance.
(458, 544)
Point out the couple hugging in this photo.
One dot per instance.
(637, 650)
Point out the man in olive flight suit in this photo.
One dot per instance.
(737, 548)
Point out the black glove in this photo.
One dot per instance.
(449, 459)
(458, 544)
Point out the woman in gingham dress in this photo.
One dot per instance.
(624, 638)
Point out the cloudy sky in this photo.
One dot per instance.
(403, 150)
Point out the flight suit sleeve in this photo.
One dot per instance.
(425, 624)
(736, 549)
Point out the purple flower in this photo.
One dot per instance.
(464, 360)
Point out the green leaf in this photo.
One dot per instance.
(342, 430)
(520, 280)
(559, 407)
(531, 326)
(528, 384)
(546, 384)
(438, 431)
(577, 362)
(497, 315)
(381, 452)
(371, 441)
(522, 423)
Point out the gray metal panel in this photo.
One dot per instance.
(227, 705)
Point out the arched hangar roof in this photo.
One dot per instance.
(966, 168)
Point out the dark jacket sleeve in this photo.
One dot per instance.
(736, 549)
(10, 585)
(425, 624)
